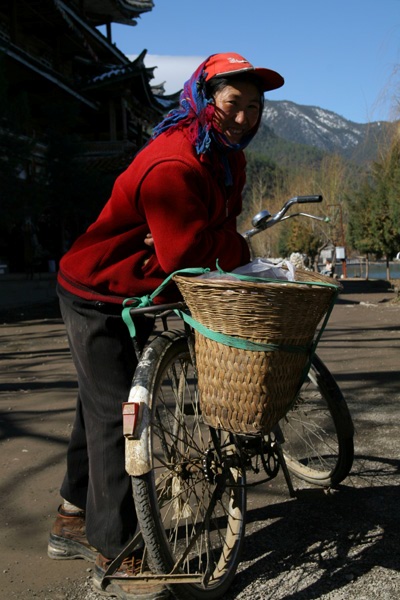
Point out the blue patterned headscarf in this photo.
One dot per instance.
(196, 113)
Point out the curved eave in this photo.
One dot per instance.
(139, 83)
(167, 102)
(119, 73)
(101, 12)
(136, 72)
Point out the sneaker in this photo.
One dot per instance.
(129, 589)
(68, 538)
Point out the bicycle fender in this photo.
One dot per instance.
(136, 417)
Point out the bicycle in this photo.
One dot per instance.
(189, 480)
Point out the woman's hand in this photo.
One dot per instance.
(148, 240)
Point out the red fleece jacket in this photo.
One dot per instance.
(177, 196)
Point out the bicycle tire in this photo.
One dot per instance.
(180, 508)
(316, 435)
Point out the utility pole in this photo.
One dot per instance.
(341, 228)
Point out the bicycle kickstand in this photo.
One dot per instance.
(282, 461)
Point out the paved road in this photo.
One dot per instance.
(336, 547)
(17, 291)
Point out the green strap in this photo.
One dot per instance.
(227, 340)
(236, 342)
(147, 300)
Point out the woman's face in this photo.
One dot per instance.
(237, 109)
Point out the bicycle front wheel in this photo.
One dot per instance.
(317, 433)
(191, 506)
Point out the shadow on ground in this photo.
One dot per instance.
(320, 543)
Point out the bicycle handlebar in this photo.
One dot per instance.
(264, 220)
(303, 199)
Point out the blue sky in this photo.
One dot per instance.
(342, 56)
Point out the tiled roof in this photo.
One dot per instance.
(136, 68)
(115, 11)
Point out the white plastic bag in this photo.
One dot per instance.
(261, 267)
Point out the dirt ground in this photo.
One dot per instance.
(339, 546)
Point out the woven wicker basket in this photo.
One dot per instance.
(245, 391)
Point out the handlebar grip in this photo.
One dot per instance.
(304, 199)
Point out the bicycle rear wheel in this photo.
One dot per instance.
(316, 435)
(191, 506)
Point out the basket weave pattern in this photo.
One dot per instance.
(247, 391)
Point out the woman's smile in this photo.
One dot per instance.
(237, 110)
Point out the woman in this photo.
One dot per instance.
(174, 207)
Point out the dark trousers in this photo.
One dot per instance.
(105, 361)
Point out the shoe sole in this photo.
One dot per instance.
(63, 549)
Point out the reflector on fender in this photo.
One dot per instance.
(130, 414)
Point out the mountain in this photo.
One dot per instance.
(322, 130)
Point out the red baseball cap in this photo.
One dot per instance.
(230, 63)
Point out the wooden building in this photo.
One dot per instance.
(62, 78)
